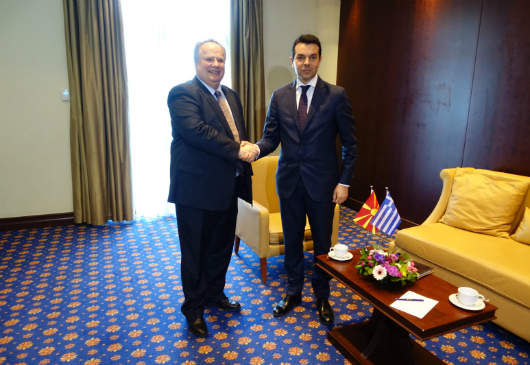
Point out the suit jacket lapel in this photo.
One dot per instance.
(316, 101)
(292, 100)
(291, 107)
(212, 101)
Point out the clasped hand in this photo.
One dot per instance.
(248, 152)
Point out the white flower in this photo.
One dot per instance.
(379, 272)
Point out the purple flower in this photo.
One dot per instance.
(392, 270)
(380, 258)
(393, 257)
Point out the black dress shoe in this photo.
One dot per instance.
(228, 305)
(325, 313)
(197, 326)
(287, 303)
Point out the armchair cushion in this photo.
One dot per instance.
(484, 204)
(276, 232)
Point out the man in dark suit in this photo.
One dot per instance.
(306, 116)
(207, 176)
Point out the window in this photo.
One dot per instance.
(160, 36)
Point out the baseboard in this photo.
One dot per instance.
(405, 223)
(353, 203)
(37, 221)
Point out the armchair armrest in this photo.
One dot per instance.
(335, 229)
(252, 226)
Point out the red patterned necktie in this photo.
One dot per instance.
(301, 115)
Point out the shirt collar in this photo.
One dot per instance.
(211, 89)
(312, 82)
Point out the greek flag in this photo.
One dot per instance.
(387, 218)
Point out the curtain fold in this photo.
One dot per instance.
(99, 135)
(248, 79)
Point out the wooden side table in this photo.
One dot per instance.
(385, 337)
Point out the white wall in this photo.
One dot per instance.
(283, 22)
(35, 172)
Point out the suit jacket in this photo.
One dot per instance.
(311, 154)
(204, 154)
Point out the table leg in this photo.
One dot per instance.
(379, 341)
(389, 339)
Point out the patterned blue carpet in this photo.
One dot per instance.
(111, 295)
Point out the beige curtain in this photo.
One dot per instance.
(247, 62)
(99, 136)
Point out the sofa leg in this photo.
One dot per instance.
(237, 240)
(263, 269)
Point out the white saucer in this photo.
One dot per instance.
(479, 304)
(348, 256)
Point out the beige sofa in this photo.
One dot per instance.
(465, 251)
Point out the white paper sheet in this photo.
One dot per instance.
(416, 308)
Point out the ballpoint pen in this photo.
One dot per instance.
(410, 300)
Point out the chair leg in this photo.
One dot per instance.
(236, 245)
(263, 269)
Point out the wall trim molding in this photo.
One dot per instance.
(37, 221)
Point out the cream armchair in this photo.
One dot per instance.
(259, 225)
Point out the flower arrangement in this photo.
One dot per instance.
(387, 266)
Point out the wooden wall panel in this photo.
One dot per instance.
(499, 123)
(408, 69)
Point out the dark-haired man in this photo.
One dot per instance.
(306, 116)
(207, 175)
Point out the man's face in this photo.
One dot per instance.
(211, 64)
(306, 61)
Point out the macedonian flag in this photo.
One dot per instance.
(367, 212)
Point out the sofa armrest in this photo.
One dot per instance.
(252, 226)
(447, 176)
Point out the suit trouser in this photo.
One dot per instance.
(293, 212)
(206, 242)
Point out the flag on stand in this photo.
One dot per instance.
(387, 218)
(367, 212)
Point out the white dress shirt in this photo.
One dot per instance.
(312, 84)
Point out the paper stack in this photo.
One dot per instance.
(414, 304)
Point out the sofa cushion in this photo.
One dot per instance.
(500, 264)
(276, 231)
(523, 231)
(484, 203)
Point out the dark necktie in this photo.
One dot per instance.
(301, 115)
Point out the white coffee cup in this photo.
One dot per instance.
(469, 296)
(339, 250)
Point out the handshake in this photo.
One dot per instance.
(248, 152)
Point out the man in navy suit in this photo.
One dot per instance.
(207, 175)
(306, 116)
